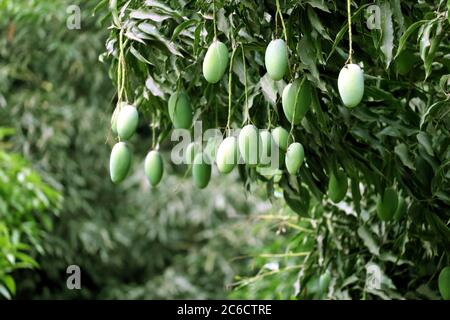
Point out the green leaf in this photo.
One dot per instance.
(182, 26)
(402, 151)
(411, 29)
(424, 140)
(368, 240)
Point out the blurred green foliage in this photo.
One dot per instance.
(27, 206)
(130, 241)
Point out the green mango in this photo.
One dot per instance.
(404, 62)
(387, 204)
(296, 100)
(324, 282)
(114, 121)
(351, 85)
(401, 209)
(281, 138)
(215, 62)
(119, 162)
(337, 186)
(444, 283)
(180, 111)
(227, 155)
(265, 151)
(127, 121)
(294, 158)
(201, 170)
(154, 167)
(276, 59)
(249, 144)
(191, 150)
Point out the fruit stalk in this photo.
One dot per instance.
(350, 45)
(230, 73)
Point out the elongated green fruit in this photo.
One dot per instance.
(114, 121)
(180, 111)
(119, 162)
(216, 61)
(281, 138)
(401, 209)
(444, 283)
(295, 155)
(201, 171)
(296, 100)
(227, 155)
(249, 144)
(127, 121)
(337, 186)
(387, 204)
(154, 167)
(265, 151)
(324, 282)
(191, 151)
(276, 59)
(351, 85)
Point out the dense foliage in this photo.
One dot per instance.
(130, 241)
(26, 208)
(397, 137)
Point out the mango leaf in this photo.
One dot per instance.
(368, 240)
(413, 27)
(402, 151)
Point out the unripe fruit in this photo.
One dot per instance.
(216, 61)
(191, 151)
(387, 204)
(296, 100)
(227, 155)
(324, 282)
(337, 186)
(281, 138)
(294, 158)
(180, 111)
(114, 121)
(401, 209)
(444, 283)
(201, 171)
(119, 162)
(249, 144)
(154, 167)
(351, 85)
(265, 150)
(276, 59)
(404, 62)
(127, 121)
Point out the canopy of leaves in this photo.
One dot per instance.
(398, 136)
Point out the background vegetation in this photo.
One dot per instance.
(238, 238)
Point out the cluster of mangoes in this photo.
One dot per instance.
(124, 123)
(296, 101)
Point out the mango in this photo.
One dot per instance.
(180, 111)
(249, 144)
(201, 171)
(227, 155)
(127, 121)
(337, 186)
(296, 100)
(215, 62)
(119, 162)
(276, 59)
(154, 167)
(444, 283)
(351, 85)
(387, 204)
(294, 157)
(281, 138)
